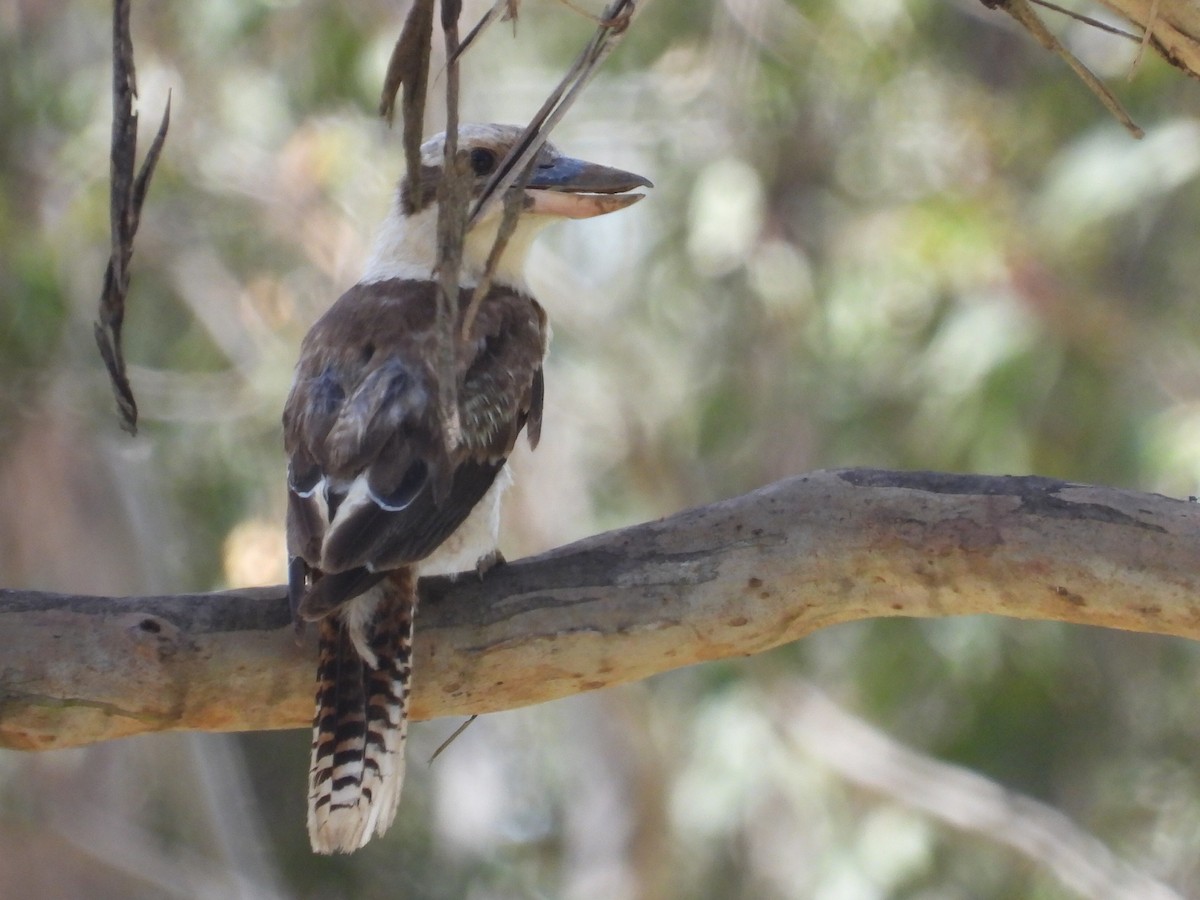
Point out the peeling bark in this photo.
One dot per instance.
(731, 579)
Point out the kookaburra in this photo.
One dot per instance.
(377, 495)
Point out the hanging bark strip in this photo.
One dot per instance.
(409, 66)
(127, 194)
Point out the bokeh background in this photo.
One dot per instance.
(884, 233)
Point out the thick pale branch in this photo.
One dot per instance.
(730, 579)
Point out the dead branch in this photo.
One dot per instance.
(1032, 22)
(731, 579)
(127, 194)
(614, 24)
(454, 194)
(1169, 27)
(409, 67)
(509, 180)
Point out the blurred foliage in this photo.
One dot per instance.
(885, 234)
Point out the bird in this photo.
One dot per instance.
(379, 492)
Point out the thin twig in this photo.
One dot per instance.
(509, 8)
(453, 197)
(560, 100)
(1147, 33)
(1025, 15)
(514, 202)
(514, 171)
(127, 194)
(1087, 20)
(409, 66)
(618, 21)
(453, 737)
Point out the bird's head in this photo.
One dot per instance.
(559, 187)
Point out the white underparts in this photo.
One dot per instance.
(406, 247)
(476, 539)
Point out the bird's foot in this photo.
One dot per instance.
(493, 560)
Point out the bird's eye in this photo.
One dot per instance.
(483, 161)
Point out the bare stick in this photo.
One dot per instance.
(1144, 41)
(441, 748)
(560, 100)
(514, 203)
(1088, 20)
(1027, 17)
(514, 170)
(127, 194)
(508, 7)
(453, 196)
(618, 21)
(509, 10)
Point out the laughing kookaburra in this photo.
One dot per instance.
(377, 495)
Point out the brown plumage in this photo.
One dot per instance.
(376, 498)
(361, 423)
(374, 490)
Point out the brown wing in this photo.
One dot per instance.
(370, 481)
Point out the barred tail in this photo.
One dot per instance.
(361, 720)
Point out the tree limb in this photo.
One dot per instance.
(731, 579)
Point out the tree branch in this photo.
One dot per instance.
(731, 579)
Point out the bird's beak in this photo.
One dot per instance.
(577, 189)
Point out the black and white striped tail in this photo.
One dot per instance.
(363, 674)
